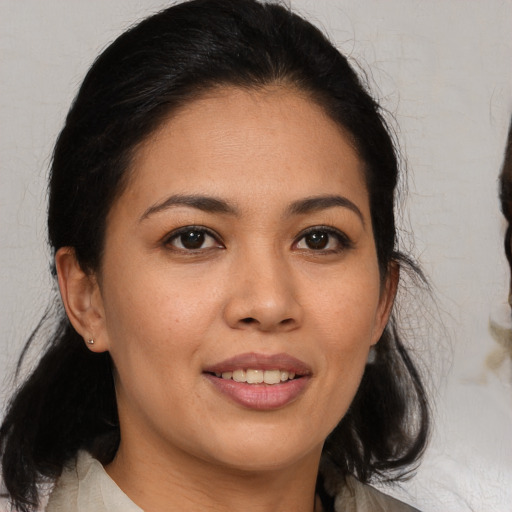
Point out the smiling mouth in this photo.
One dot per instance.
(259, 381)
(252, 376)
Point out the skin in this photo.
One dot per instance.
(258, 284)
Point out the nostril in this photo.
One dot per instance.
(250, 321)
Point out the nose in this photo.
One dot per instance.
(263, 294)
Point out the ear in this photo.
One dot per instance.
(386, 300)
(82, 299)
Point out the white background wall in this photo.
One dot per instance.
(444, 68)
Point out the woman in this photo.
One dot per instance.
(221, 214)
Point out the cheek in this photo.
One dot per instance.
(155, 318)
(346, 311)
(154, 335)
(345, 326)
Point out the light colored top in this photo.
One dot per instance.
(86, 487)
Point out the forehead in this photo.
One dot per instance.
(241, 143)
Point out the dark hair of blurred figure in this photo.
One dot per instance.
(506, 200)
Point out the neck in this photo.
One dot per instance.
(175, 481)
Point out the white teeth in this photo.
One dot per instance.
(239, 376)
(271, 376)
(252, 376)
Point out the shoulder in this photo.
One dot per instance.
(85, 486)
(350, 495)
(65, 491)
(358, 497)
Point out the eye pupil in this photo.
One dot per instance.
(317, 240)
(192, 239)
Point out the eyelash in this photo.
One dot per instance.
(341, 238)
(175, 235)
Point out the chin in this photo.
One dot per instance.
(266, 453)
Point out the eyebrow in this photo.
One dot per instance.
(203, 203)
(317, 203)
(214, 205)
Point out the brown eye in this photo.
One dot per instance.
(192, 239)
(317, 240)
(323, 239)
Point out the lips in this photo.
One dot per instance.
(260, 382)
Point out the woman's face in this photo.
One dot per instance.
(241, 250)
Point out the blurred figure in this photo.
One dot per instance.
(500, 321)
(506, 200)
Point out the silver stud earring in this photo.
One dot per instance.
(372, 355)
(90, 342)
